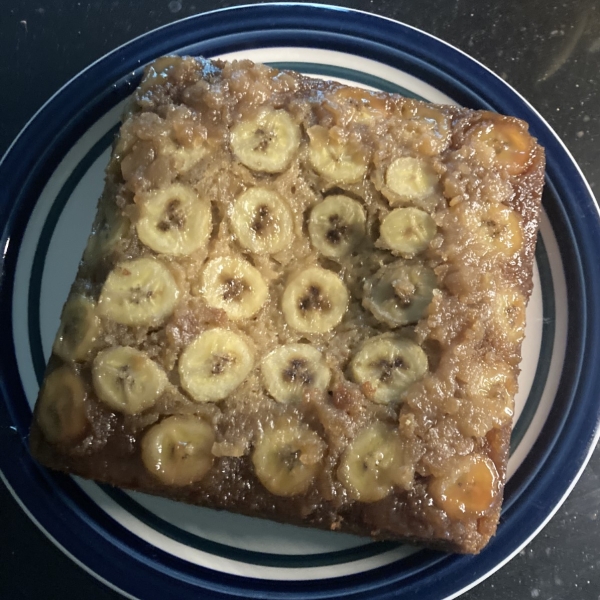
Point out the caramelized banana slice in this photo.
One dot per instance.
(215, 364)
(508, 315)
(365, 106)
(314, 301)
(399, 293)
(139, 292)
(506, 143)
(262, 221)
(430, 126)
(334, 158)
(79, 329)
(173, 220)
(184, 157)
(500, 230)
(291, 369)
(60, 411)
(411, 179)
(490, 391)
(336, 226)
(177, 451)
(469, 489)
(374, 462)
(126, 380)
(105, 238)
(407, 231)
(266, 143)
(495, 228)
(385, 365)
(235, 286)
(287, 458)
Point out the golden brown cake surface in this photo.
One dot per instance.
(301, 301)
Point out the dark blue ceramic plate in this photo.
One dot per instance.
(145, 546)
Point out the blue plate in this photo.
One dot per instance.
(141, 545)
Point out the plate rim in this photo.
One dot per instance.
(350, 12)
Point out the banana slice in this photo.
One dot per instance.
(399, 293)
(508, 314)
(262, 221)
(498, 229)
(126, 380)
(60, 411)
(215, 364)
(432, 125)
(507, 144)
(407, 231)
(365, 106)
(468, 489)
(334, 158)
(78, 331)
(374, 463)
(314, 301)
(184, 157)
(411, 179)
(235, 286)
(287, 458)
(494, 381)
(104, 240)
(336, 226)
(173, 220)
(490, 388)
(139, 292)
(386, 365)
(291, 369)
(267, 143)
(177, 451)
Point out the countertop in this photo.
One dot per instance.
(548, 50)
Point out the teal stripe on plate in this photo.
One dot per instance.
(263, 559)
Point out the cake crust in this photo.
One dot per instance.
(301, 301)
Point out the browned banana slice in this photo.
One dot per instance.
(79, 329)
(61, 412)
(468, 489)
(490, 389)
(495, 228)
(365, 105)
(508, 314)
(506, 143)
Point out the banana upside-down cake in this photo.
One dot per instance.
(301, 301)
